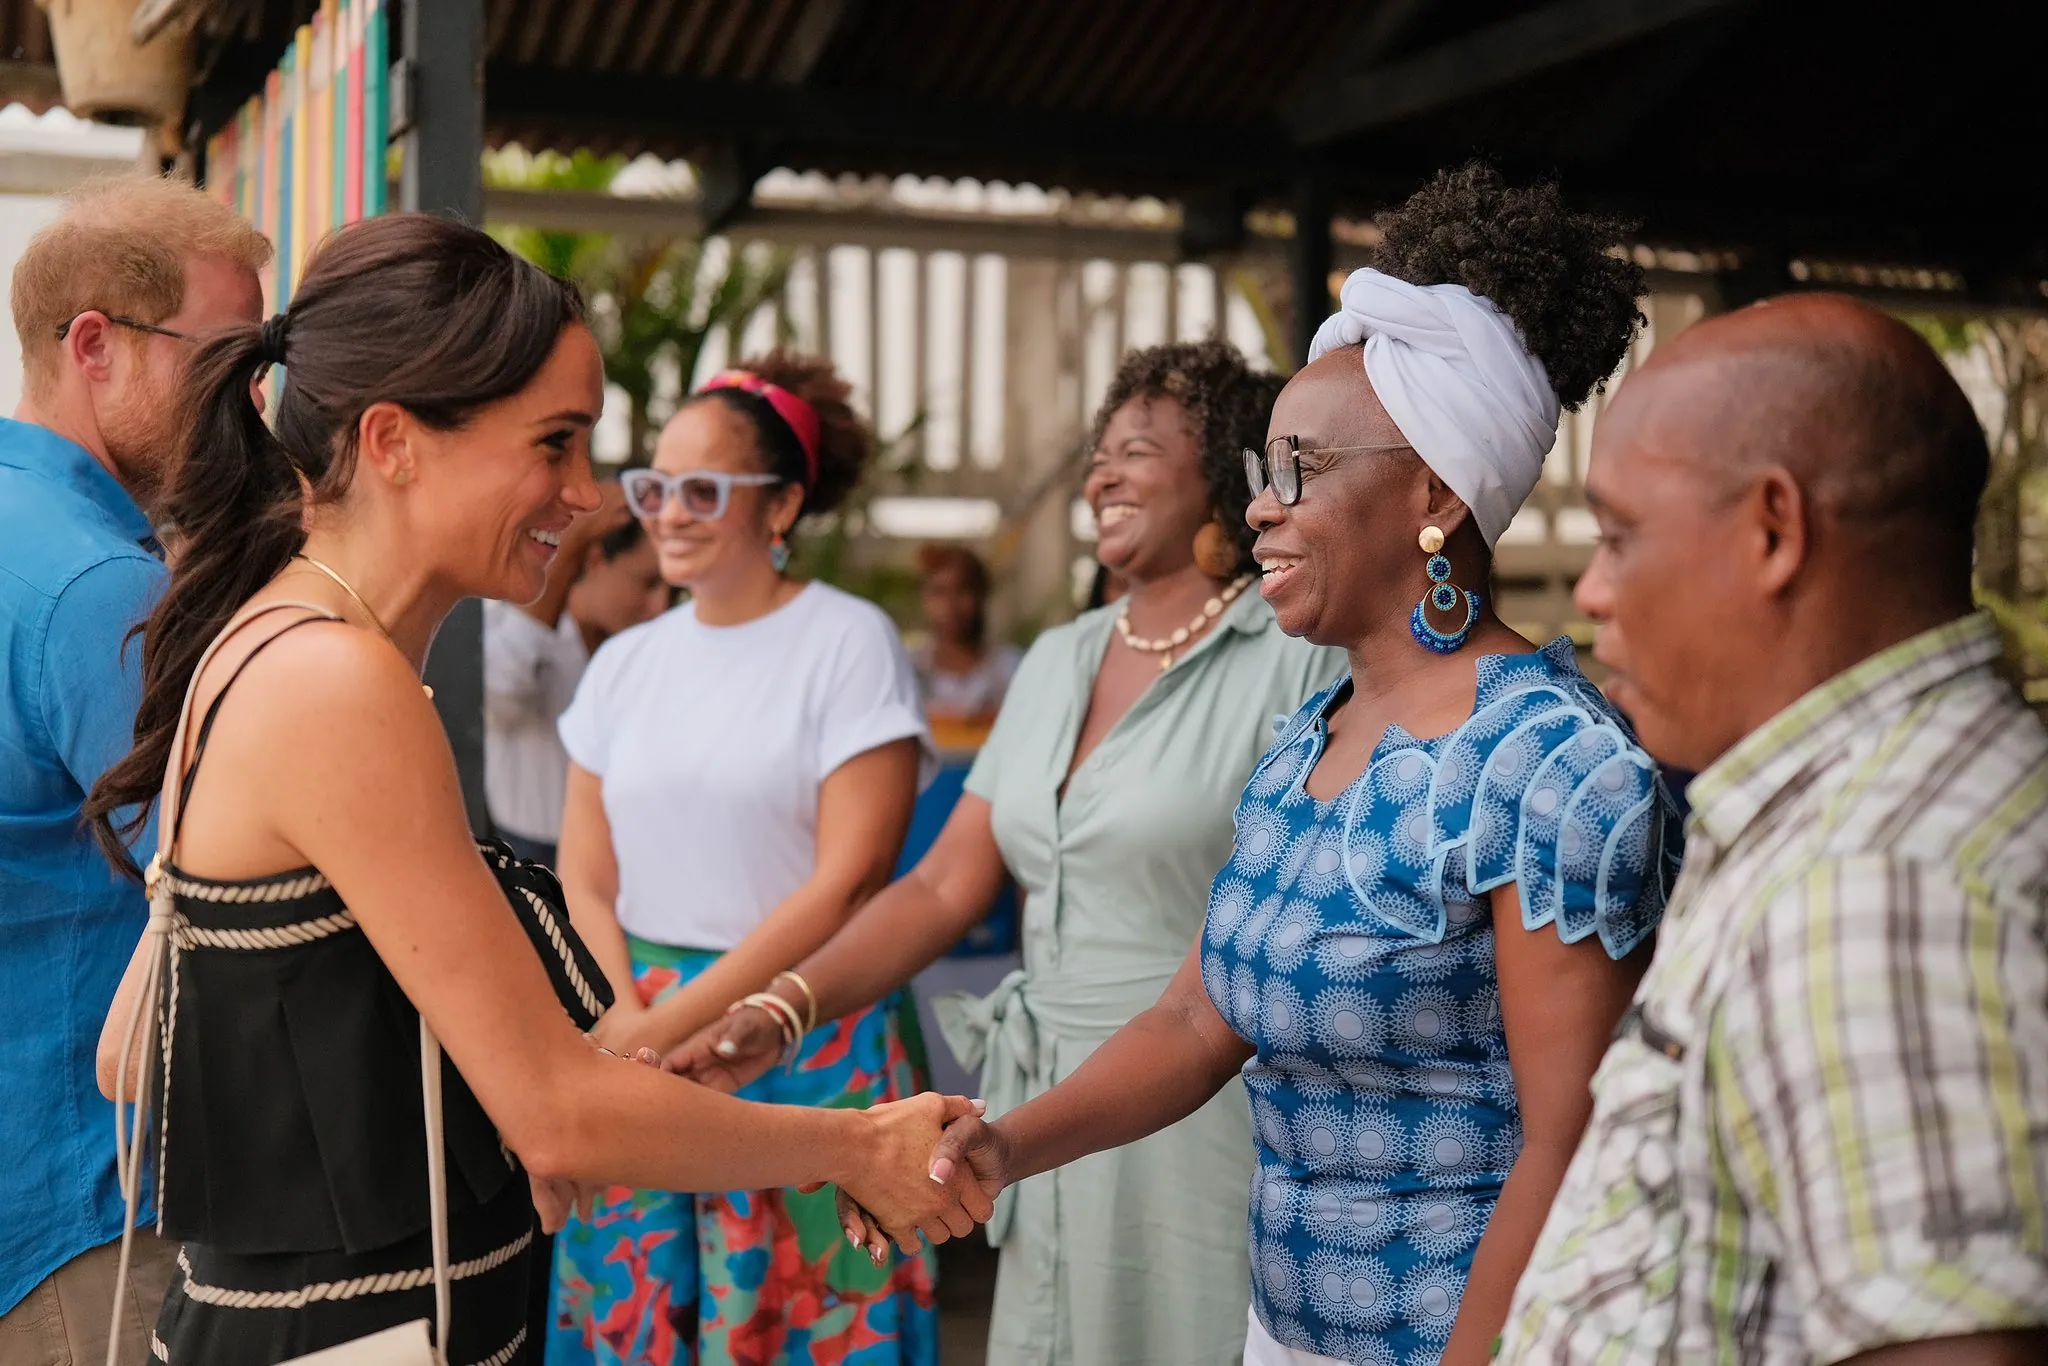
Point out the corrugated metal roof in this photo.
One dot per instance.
(1832, 125)
(1201, 59)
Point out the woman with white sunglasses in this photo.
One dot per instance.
(742, 774)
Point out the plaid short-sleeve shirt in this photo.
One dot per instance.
(1815, 1133)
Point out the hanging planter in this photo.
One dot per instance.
(106, 75)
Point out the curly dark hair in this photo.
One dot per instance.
(1227, 401)
(1553, 271)
(845, 440)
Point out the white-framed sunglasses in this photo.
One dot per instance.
(704, 494)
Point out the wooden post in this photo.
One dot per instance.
(1310, 260)
(444, 149)
(1042, 429)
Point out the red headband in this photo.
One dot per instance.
(800, 417)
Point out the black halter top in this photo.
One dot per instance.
(291, 1117)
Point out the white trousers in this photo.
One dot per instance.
(1260, 1349)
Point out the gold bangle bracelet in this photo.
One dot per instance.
(810, 997)
(784, 1014)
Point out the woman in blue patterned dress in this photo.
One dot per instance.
(1447, 871)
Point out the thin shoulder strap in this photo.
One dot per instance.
(171, 817)
(213, 712)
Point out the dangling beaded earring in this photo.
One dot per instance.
(1443, 595)
(778, 553)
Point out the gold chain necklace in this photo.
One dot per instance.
(357, 598)
(1211, 610)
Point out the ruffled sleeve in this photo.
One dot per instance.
(1544, 787)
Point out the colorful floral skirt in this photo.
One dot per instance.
(750, 1278)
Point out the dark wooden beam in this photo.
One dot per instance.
(910, 127)
(813, 32)
(1613, 112)
(1482, 60)
(1376, 35)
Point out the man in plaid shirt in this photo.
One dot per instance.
(1821, 1134)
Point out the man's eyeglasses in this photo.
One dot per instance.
(703, 493)
(1279, 466)
(64, 328)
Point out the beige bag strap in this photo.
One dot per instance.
(147, 1013)
(437, 1181)
(174, 772)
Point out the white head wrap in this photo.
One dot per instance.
(1453, 374)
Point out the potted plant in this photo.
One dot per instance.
(106, 75)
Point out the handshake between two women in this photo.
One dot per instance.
(932, 1164)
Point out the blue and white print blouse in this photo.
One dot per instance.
(1350, 941)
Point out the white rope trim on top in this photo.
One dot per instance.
(241, 894)
(553, 929)
(508, 1351)
(380, 1284)
(190, 936)
(501, 1357)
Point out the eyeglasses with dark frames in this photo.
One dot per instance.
(1279, 466)
(64, 328)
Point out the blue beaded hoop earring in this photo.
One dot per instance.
(1443, 595)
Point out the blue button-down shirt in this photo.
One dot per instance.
(76, 573)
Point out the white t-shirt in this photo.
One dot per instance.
(712, 742)
(530, 674)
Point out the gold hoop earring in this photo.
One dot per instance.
(1217, 553)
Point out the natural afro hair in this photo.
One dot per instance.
(1554, 272)
(845, 440)
(1228, 404)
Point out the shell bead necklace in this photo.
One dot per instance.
(1165, 648)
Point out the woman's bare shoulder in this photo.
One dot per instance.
(314, 681)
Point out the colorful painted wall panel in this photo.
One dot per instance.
(308, 154)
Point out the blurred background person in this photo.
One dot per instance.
(1106, 791)
(741, 774)
(961, 675)
(107, 300)
(605, 578)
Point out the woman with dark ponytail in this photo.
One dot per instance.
(322, 918)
